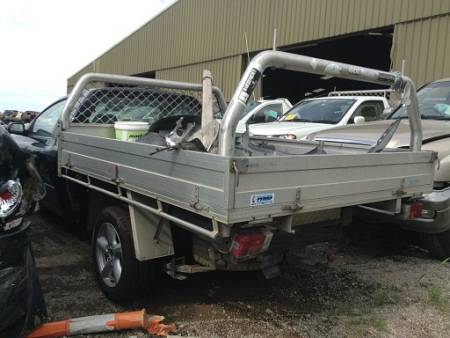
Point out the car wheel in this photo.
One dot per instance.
(437, 244)
(120, 275)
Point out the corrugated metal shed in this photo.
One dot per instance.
(226, 73)
(192, 32)
(87, 69)
(425, 47)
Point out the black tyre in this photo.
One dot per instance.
(119, 274)
(437, 244)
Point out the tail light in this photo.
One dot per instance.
(415, 210)
(250, 244)
(10, 197)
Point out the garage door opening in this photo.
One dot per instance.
(371, 49)
(148, 75)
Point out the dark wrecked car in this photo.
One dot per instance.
(39, 140)
(21, 299)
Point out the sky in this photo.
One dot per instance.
(43, 42)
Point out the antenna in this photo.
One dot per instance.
(274, 46)
(246, 47)
(403, 67)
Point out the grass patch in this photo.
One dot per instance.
(383, 296)
(438, 299)
(360, 317)
(358, 309)
(363, 324)
(359, 312)
(379, 323)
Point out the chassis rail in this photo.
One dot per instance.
(158, 212)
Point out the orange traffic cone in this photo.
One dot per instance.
(104, 323)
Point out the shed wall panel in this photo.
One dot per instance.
(196, 31)
(87, 69)
(425, 46)
(226, 73)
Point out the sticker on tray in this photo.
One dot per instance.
(257, 200)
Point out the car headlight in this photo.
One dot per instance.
(10, 197)
(288, 137)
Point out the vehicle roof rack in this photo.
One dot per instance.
(374, 92)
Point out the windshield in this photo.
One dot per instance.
(329, 111)
(434, 102)
(45, 123)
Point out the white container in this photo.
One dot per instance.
(130, 130)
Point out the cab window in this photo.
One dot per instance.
(370, 110)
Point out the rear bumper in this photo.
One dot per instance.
(435, 216)
(282, 242)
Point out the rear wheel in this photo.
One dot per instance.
(119, 274)
(437, 244)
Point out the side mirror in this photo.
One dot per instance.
(359, 119)
(17, 128)
(387, 111)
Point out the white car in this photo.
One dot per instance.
(316, 114)
(263, 111)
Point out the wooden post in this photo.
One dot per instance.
(207, 102)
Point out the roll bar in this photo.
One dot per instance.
(300, 63)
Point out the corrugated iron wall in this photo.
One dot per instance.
(226, 73)
(196, 31)
(425, 47)
(87, 69)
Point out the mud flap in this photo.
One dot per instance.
(269, 264)
(152, 236)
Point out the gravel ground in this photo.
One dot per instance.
(380, 285)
